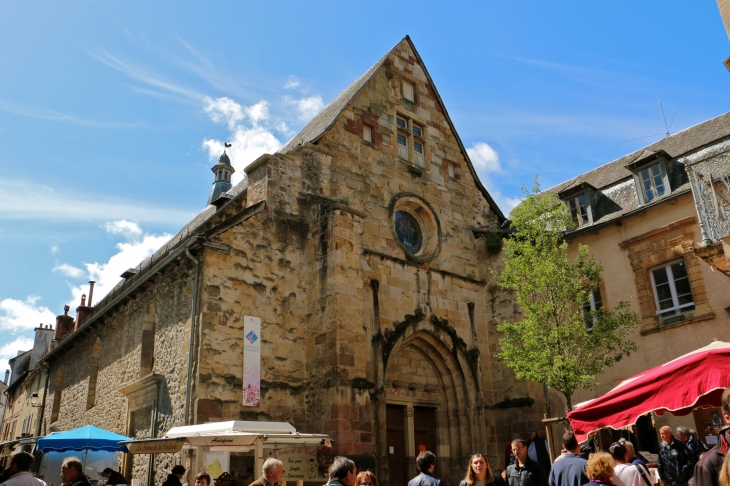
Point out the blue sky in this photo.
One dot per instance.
(110, 111)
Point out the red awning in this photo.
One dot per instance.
(693, 380)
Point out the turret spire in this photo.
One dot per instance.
(222, 184)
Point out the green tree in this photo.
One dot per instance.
(556, 342)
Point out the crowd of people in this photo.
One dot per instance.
(682, 461)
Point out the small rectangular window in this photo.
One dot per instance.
(417, 131)
(401, 123)
(451, 169)
(594, 304)
(672, 291)
(652, 182)
(579, 210)
(367, 133)
(402, 147)
(418, 152)
(408, 91)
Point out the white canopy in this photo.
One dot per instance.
(232, 427)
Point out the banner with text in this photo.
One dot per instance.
(251, 361)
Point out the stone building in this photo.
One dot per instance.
(25, 391)
(359, 246)
(651, 217)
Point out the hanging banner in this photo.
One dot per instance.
(251, 361)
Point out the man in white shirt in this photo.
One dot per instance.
(19, 475)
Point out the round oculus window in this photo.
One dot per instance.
(408, 231)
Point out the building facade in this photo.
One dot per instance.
(24, 395)
(359, 247)
(650, 218)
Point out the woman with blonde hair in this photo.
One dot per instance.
(366, 478)
(599, 469)
(480, 474)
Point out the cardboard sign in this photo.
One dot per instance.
(300, 463)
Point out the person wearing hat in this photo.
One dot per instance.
(537, 449)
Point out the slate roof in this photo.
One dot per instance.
(616, 195)
(678, 144)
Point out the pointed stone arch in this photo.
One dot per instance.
(453, 391)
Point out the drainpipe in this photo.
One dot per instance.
(193, 310)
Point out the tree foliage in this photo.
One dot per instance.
(552, 343)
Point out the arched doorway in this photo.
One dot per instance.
(429, 402)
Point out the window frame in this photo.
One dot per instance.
(405, 83)
(367, 133)
(574, 198)
(639, 183)
(408, 151)
(677, 309)
(591, 306)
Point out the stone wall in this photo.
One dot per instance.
(167, 304)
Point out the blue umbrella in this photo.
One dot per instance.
(83, 438)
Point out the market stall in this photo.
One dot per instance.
(694, 380)
(242, 447)
(97, 448)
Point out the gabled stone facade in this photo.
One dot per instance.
(379, 337)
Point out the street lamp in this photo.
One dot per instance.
(34, 400)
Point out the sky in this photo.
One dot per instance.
(113, 112)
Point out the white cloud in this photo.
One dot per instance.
(258, 112)
(123, 227)
(248, 144)
(69, 270)
(486, 163)
(292, 82)
(54, 249)
(308, 107)
(130, 254)
(224, 110)
(10, 350)
(21, 199)
(484, 157)
(21, 315)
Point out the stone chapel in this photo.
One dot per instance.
(360, 247)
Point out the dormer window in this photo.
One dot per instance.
(579, 209)
(578, 200)
(651, 182)
(650, 175)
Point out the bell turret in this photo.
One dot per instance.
(222, 184)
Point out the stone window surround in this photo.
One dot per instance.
(654, 248)
(411, 119)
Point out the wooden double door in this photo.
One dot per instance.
(401, 451)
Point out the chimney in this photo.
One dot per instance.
(82, 312)
(7, 376)
(91, 290)
(64, 324)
